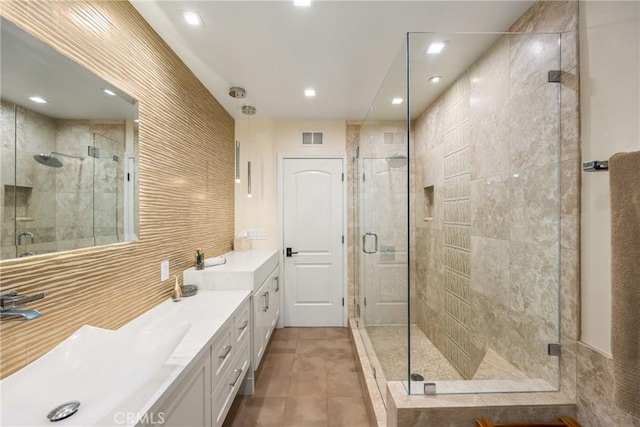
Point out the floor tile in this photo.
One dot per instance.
(261, 411)
(311, 333)
(341, 363)
(347, 412)
(343, 384)
(308, 385)
(285, 334)
(306, 412)
(304, 363)
(336, 333)
(272, 386)
(277, 364)
(282, 346)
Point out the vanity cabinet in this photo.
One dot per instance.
(256, 271)
(204, 396)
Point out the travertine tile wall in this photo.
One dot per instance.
(186, 180)
(513, 280)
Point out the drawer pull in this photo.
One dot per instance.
(277, 284)
(244, 325)
(238, 373)
(227, 350)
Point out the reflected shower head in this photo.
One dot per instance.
(47, 160)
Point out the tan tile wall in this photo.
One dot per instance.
(186, 181)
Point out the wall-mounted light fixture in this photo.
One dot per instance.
(249, 194)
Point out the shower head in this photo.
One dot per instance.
(47, 160)
(397, 161)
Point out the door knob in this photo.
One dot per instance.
(289, 252)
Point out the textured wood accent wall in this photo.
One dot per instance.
(186, 180)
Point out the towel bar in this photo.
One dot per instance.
(562, 422)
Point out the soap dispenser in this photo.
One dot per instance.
(176, 295)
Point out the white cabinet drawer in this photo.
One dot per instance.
(222, 351)
(243, 322)
(223, 396)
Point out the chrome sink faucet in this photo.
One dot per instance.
(10, 300)
(21, 235)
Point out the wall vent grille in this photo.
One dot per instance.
(312, 138)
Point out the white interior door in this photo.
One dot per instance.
(313, 230)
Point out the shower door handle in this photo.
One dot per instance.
(364, 243)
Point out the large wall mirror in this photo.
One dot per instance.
(69, 154)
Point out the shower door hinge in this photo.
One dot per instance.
(342, 176)
(343, 239)
(554, 349)
(93, 151)
(554, 76)
(343, 301)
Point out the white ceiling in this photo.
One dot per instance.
(343, 49)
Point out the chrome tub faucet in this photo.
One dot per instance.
(10, 300)
(23, 234)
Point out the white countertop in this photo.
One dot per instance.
(206, 311)
(243, 270)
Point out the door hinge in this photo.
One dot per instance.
(554, 76)
(343, 301)
(342, 176)
(343, 239)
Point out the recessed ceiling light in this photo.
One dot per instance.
(436, 47)
(192, 18)
(310, 92)
(109, 92)
(397, 101)
(38, 100)
(435, 79)
(302, 3)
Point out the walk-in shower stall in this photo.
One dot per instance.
(457, 213)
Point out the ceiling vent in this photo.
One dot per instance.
(312, 138)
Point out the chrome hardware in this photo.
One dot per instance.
(27, 314)
(63, 411)
(596, 166)
(227, 350)
(244, 325)
(11, 299)
(554, 349)
(289, 252)
(429, 388)
(277, 279)
(238, 373)
(553, 76)
(28, 253)
(23, 234)
(364, 243)
(265, 307)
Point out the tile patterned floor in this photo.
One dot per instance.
(308, 378)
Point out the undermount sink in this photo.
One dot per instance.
(98, 367)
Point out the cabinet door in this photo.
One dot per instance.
(274, 304)
(189, 405)
(259, 322)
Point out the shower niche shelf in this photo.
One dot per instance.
(17, 203)
(428, 203)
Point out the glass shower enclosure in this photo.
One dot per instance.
(457, 213)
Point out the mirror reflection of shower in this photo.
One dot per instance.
(48, 159)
